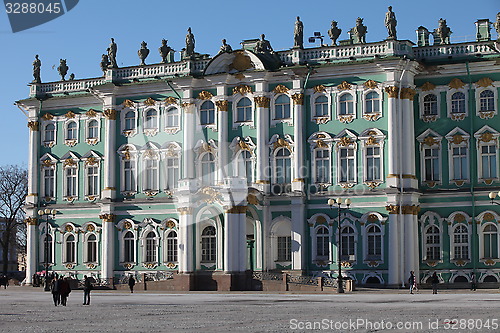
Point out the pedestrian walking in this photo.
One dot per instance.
(54, 288)
(4, 281)
(131, 283)
(435, 281)
(473, 283)
(65, 289)
(411, 281)
(87, 287)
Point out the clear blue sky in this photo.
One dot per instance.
(82, 35)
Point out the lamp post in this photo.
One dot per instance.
(492, 196)
(331, 203)
(46, 213)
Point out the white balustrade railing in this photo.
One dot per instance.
(463, 49)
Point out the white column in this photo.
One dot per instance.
(298, 134)
(222, 159)
(410, 243)
(298, 234)
(33, 169)
(109, 174)
(108, 245)
(392, 136)
(394, 253)
(408, 138)
(262, 167)
(188, 108)
(31, 249)
(234, 240)
(185, 243)
(416, 258)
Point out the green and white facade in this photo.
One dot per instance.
(220, 165)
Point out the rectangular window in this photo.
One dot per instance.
(173, 117)
(172, 165)
(91, 251)
(171, 249)
(48, 183)
(71, 182)
(284, 248)
(347, 165)
(129, 175)
(488, 161)
(92, 181)
(372, 163)
(322, 166)
(431, 164)
(459, 163)
(151, 175)
(374, 246)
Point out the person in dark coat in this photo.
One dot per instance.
(473, 282)
(435, 281)
(64, 290)
(131, 283)
(411, 281)
(55, 287)
(87, 287)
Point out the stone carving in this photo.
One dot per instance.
(112, 49)
(298, 34)
(443, 32)
(37, 64)
(72, 77)
(265, 51)
(62, 69)
(390, 23)
(164, 50)
(497, 26)
(240, 62)
(334, 32)
(143, 53)
(225, 48)
(189, 51)
(105, 63)
(359, 31)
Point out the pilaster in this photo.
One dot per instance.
(108, 245)
(189, 127)
(262, 166)
(222, 154)
(31, 248)
(298, 234)
(109, 175)
(298, 133)
(33, 169)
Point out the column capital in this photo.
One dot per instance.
(407, 210)
(110, 114)
(262, 101)
(236, 210)
(107, 217)
(31, 220)
(185, 210)
(222, 105)
(392, 91)
(298, 99)
(33, 125)
(408, 93)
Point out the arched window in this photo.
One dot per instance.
(490, 234)
(244, 168)
(208, 169)
(49, 133)
(282, 107)
(128, 247)
(207, 113)
(322, 165)
(283, 171)
(486, 100)
(458, 102)
(150, 255)
(430, 105)
(70, 249)
(130, 121)
(372, 102)
(322, 243)
(321, 106)
(151, 119)
(348, 243)
(244, 110)
(172, 246)
(433, 243)
(47, 250)
(374, 236)
(93, 129)
(71, 131)
(172, 117)
(92, 248)
(460, 243)
(208, 245)
(346, 104)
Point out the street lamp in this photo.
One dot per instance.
(339, 202)
(317, 35)
(46, 213)
(492, 196)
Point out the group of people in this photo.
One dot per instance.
(60, 288)
(412, 281)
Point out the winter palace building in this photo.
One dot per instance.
(216, 166)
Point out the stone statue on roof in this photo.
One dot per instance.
(225, 48)
(112, 49)
(263, 45)
(37, 64)
(298, 34)
(105, 63)
(359, 31)
(443, 32)
(334, 32)
(62, 69)
(266, 53)
(143, 53)
(189, 51)
(497, 26)
(390, 23)
(164, 51)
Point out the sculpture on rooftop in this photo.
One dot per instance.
(443, 32)
(37, 64)
(112, 49)
(298, 34)
(143, 53)
(390, 23)
(359, 31)
(497, 27)
(266, 53)
(225, 48)
(105, 63)
(164, 51)
(189, 51)
(71, 76)
(263, 45)
(334, 32)
(62, 69)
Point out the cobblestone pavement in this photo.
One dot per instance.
(24, 309)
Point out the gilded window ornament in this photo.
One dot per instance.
(321, 144)
(370, 84)
(91, 161)
(281, 143)
(126, 154)
(204, 95)
(171, 100)
(209, 195)
(344, 86)
(128, 103)
(47, 163)
(90, 228)
(48, 116)
(150, 102)
(489, 217)
(33, 125)
(430, 141)
(372, 141)
(70, 115)
(150, 193)
(345, 141)
(372, 185)
(68, 228)
(298, 99)
(243, 145)
(346, 118)
(236, 210)
(222, 105)
(372, 218)
(485, 82)
(242, 89)
(91, 113)
(69, 163)
(486, 137)
(252, 199)
(459, 218)
(456, 84)
(262, 101)
(486, 115)
(392, 91)
(30, 220)
(321, 136)
(170, 224)
(205, 148)
(110, 114)
(319, 88)
(185, 210)
(280, 89)
(458, 139)
(127, 225)
(171, 265)
(427, 86)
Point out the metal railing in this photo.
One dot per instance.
(302, 279)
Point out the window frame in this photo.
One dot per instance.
(457, 116)
(464, 145)
(129, 132)
(66, 249)
(175, 115)
(486, 114)
(374, 115)
(200, 108)
(95, 139)
(71, 141)
(49, 143)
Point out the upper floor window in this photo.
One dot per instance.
(244, 167)
(373, 165)
(430, 105)
(129, 175)
(49, 133)
(151, 119)
(433, 243)
(322, 165)
(151, 174)
(129, 121)
(172, 166)
(459, 163)
(244, 110)
(93, 129)
(460, 242)
(172, 118)
(321, 106)
(458, 102)
(282, 107)
(372, 102)
(431, 164)
(48, 182)
(347, 165)
(208, 169)
(92, 181)
(71, 131)
(487, 100)
(346, 104)
(71, 182)
(207, 113)
(283, 167)
(488, 169)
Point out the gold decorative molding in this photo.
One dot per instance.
(488, 181)
(392, 91)
(411, 210)
(372, 141)
(128, 103)
(486, 114)
(69, 266)
(242, 89)
(298, 99)
(347, 185)
(170, 224)
(489, 217)
(262, 182)
(185, 210)
(321, 144)
(344, 86)
(48, 116)
(372, 116)
(408, 93)
(429, 118)
(69, 162)
(170, 100)
(171, 265)
(372, 185)
(281, 143)
(459, 182)
(430, 141)
(33, 125)
(205, 148)
(243, 145)
(456, 84)
(299, 180)
(188, 107)
(31, 220)
(370, 84)
(262, 101)
(404, 176)
(110, 114)
(372, 218)
(345, 141)
(252, 199)
(321, 120)
(486, 137)
(457, 139)
(319, 88)
(427, 86)
(91, 161)
(126, 154)
(241, 61)
(150, 102)
(47, 163)
(70, 115)
(347, 118)
(280, 89)
(392, 209)
(236, 210)
(457, 116)
(459, 218)
(485, 82)
(127, 225)
(68, 228)
(209, 195)
(431, 183)
(107, 217)
(91, 113)
(489, 262)
(204, 95)
(222, 105)
(90, 228)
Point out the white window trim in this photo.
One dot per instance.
(76, 167)
(234, 107)
(236, 147)
(346, 118)
(198, 104)
(353, 145)
(457, 116)
(125, 132)
(93, 141)
(451, 145)
(170, 225)
(479, 144)
(219, 254)
(314, 140)
(435, 144)
(49, 144)
(273, 254)
(451, 232)
(487, 114)
(132, 153)
(153, 130)
(314, 242)
(373, 116)
(71, 142)
(52, 233)
(172, 129)
(85, 247)
(142, 244)
(150, 152)
(347, 221)
(121, 241)
(273, 119)
(52, 165)
(480, 232)
(427, 220)
(365, 137)
(421, 95)
(65, 245)
(321, 119)
(274, 150)
(380, 222)
(87, 164)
